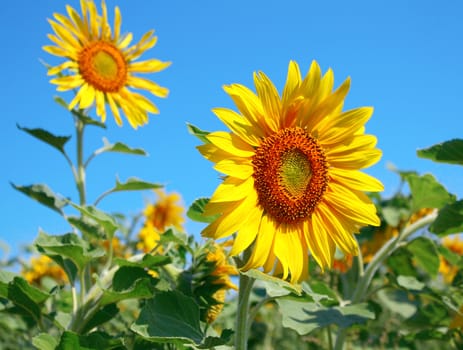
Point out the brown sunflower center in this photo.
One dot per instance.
(103, 66)
(290, 175)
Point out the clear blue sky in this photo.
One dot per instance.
(404, 58)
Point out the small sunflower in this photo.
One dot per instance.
(100, 64)
(41, 266)
(448, 270)
(292, 162)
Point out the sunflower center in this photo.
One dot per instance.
(103, 66)
(290, 175)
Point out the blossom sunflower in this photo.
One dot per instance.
(293, 183)
(43, 266)
(100, 64)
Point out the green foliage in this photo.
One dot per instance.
(57, 142)
(196, 211)
(200, 134)
(44, 195)
(446, 152)
(449, 220)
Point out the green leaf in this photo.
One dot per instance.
(410, 283)
(129, 283)
(44, 341)
(134, 184)
(57, 142)
(44, 195)
(170, 317)
(445, 152)
(293, 288)
(449, 219)
(320, 293)
(68, 246)
(397, 301)
(119, 147)
(211, 342)
(200, 134)
(196, 211)
(92, 341)
(86, 225)
(395, 215)
(426, 255)
(148, 261)
(26, 296)
(427, 192)
(86, 119)
(106, 221)
(400, 262)
(306, 317)
(104, 314)
(175, 236)
(5, 278)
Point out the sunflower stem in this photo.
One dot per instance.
(242, 326)
(80, 180)
(386, 250)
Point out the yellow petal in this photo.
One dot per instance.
(247, 233)
(262, 245)
(357, 160)
(100, 105)
(238, 125)
(239, 168)
(114, 108)
(318, 240)
(356, 180)
(231, 143)
(232, 189)
(148, 66)
(270, 100)
(87, 98)
(117, 23)
(288, 249)
(145, 84)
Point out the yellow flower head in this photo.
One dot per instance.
(100, 64)
(292, 162)
(166, 211)
(42, 266)
(148, 239)
(455, 245)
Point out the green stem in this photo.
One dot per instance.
(385, 251)
(330, 337)
(80, 180)
(242, 327)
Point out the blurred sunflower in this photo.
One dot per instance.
(166, 211)
(292, 165)
(101, 64)
(448, 270)
(42, 266)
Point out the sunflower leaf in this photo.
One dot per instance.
(105, 220)
(44, 341)
(93, 341)
(294, 288)
(425, 253)
(200, 134)
(44, 195)
(134, 184)
(306, 317)
(119, 147)
(427, 192)
(449, 220)
(57, 142)
(446, 152)
(170, 317)
(68, 246)
(87, 120)
(196, 211)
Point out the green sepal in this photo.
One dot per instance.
(200, 134)
(196, 211)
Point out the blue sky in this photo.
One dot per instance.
(404, 58)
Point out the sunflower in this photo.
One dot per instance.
(292, 183)
(448, 270)
(42, 266)
(100, 64)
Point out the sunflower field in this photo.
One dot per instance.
(299, 249)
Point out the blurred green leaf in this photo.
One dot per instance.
(44, 341)
(445, 152)
(200, 134)
(211, 342)
(449, 219)
(106, 221)
(129, 283)
(86, 225)
(57, 142)
(196, 211)
(68, 246)
(104, 314)
(400, 262)
(119, 147)
(320, 293)
(134, 184)
(148, 261)
(427, 192)
(175, 236)
(394, 216)
(425, 252)
(5, 278)
(410, 283)
(306, 317)
(26, 296)
(259, 275)
(397, 301)
(92, 341)
(44, 195)
(170, 317)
